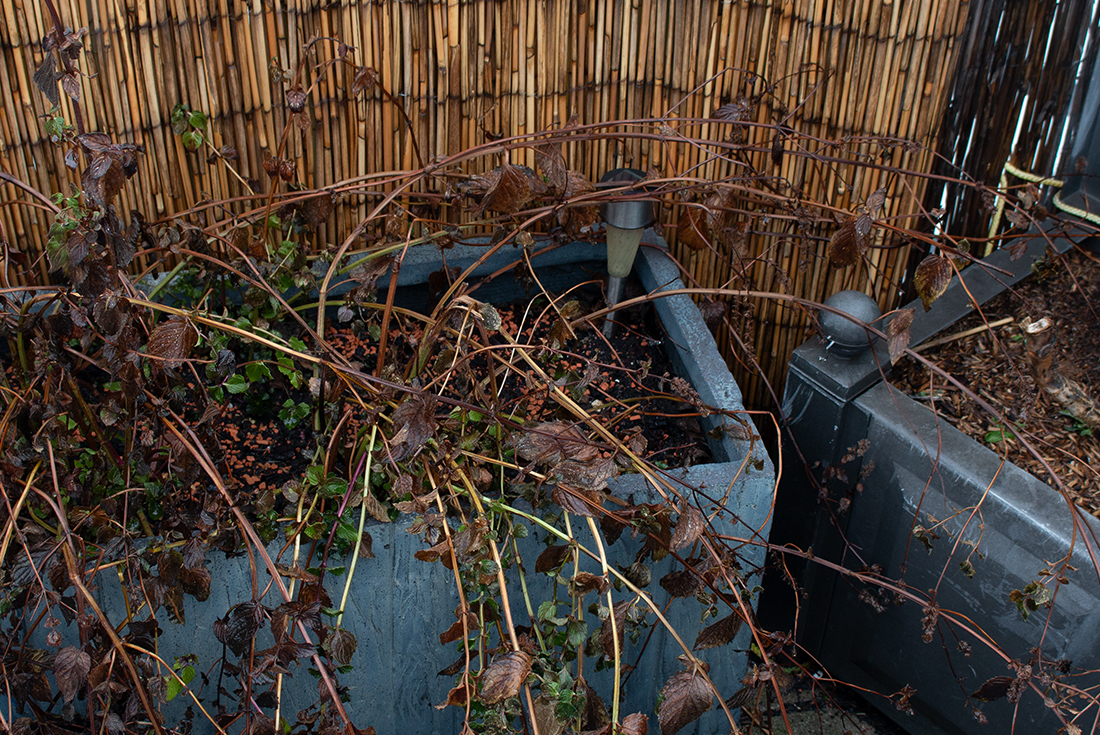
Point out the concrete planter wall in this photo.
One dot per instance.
(924, 469)
(399, 605)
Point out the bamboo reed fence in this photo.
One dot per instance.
(856, 71)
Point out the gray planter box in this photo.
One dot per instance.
(398, 605)
(925, 471)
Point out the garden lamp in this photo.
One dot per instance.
(847, 337)
(624, 222)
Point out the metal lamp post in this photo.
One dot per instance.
(624, 222)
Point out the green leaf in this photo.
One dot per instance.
(346, 532)
(548, 613)
(236, 383)
(547, 609)
(197, 120)
(334, 487)
(576, 632)
(192, 140)
(179, 119)
(315, 475)
(173, 686)
(286, 367)
(257, 371)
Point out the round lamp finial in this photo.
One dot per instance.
(846, 337)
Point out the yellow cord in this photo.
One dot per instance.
(1058, 184)
(1028, 176)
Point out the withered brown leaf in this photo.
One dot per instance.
(196, 582)
(457, 631)
(551, 558)
(847, 245)
(317, 210)
(688, 528)
(591, 475)
(545, 711)
(993, 689)
(459, 696)
(70, 669)
(635, 724)
(577, 501)
(377, 511)
(594, 718)
(607, 640)
(735, 111)
(239, 625)
(366, 544)
(552, 165)
(365, 79)
(588, 582)
(45, 78)
(686, 696)
(720, 633)
(551, 442)
(505, 676)
(342, 644)
(713, 311)
(414, 424)
(693, 228)
(296, 99)
(875, 202)
(580, 219)
(930, 279)
(680, 583)
(898, 333)
(507, 188)
(172, 340)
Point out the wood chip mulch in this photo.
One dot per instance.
(995, 365)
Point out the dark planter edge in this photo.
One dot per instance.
(855, 399)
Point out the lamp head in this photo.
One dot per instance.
(627, 214)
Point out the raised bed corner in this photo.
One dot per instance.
(999, 528)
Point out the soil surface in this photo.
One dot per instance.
(1015, 371)
(626, 381)
(817, 708)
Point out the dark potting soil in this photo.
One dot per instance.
(627, 381)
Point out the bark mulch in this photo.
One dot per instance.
(1016, 372)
